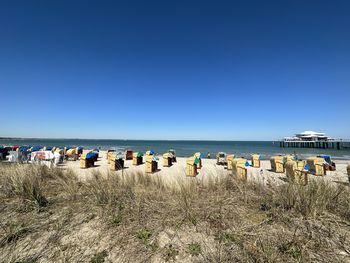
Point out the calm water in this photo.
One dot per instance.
(184, 148)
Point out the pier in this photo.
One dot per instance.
(338, 145)
(310, 139)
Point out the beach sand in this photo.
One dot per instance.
(210, 171)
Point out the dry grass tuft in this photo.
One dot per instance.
(315, 200)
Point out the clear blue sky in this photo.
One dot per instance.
(219, 70)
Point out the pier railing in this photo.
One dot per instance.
(329, 144)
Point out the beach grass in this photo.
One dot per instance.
(52, 215)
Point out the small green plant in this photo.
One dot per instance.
(144, 234)
(194, 249)
(99, 257)
(117, 220)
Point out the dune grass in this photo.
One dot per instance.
(50, 215)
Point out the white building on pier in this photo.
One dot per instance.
(309, 136)
(311, 139)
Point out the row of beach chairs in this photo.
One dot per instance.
(116, 162)
(39, 154)
(237, 166)
(298, 170)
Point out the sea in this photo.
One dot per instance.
(266, 149)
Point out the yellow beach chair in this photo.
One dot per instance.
(277, 164)
(295, 172)
(87, 160)
(60, 151)
(137, 158)
(167, 159)
(316, 166)
(255, 160)
(109, 151)
(239, 169)
(229, 159)
(84, 163)
(72, 154)
(110, 155)
(151, 164)
(115, 164)
(191, 166)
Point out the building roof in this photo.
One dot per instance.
(310, 133)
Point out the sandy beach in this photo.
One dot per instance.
(210, 171)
